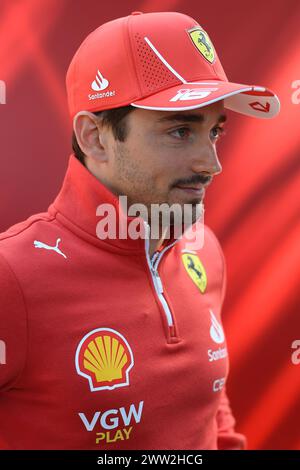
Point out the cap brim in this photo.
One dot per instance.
(250, 100)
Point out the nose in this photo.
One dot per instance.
(206, 161)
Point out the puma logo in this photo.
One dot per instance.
(38, 244)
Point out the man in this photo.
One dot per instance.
(113, 338)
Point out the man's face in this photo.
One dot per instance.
(167, 160)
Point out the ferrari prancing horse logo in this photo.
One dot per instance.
(204, 45)
(195, 270)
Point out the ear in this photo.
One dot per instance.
(90, 135)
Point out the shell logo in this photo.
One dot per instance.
(104, 358)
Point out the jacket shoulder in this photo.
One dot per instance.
(16, 231)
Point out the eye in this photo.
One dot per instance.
(217, 132)
(182, 132)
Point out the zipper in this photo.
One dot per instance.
(157, 282)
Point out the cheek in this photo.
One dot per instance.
(130, 169)
(148, 167)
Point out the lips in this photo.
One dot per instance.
(196, 190)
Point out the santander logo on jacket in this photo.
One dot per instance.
(107, 348)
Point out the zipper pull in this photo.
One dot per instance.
(154, 257)
(158, 281)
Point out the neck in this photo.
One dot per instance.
(155, 243)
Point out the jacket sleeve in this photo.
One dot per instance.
(228, 438)
(13, 327)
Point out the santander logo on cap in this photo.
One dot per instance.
(100, 83)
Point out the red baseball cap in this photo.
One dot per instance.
(161, 61)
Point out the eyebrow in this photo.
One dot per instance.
(185, 117)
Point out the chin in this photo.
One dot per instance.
(187, 214)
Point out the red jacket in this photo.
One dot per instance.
(105, 348)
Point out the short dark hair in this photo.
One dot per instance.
(114, 118)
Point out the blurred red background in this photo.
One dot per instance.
(253, 206)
